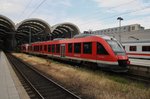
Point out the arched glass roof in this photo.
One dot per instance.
(33, 30)
(7, 27)
(38, 28)
(41, 30)
(64, 30)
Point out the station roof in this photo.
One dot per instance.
(7, 27)
(37, 29)
(64, 30)
(41, 30)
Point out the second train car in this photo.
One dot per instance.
(137, 49)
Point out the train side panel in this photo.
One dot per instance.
(89, 49)
(138, 50)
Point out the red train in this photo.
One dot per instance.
(103, 50)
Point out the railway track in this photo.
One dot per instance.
(138, 78)
(37, 85)
(131, 76)
(128, 75)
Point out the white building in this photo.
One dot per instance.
(132, 32)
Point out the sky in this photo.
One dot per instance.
(86, 14)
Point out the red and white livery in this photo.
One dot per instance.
(138, 49)
(102, 50)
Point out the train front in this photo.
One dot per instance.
(119, 52)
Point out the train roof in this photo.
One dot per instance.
(138, 41)
(105, 37)
(102, 36)
(82, 35)
(58, 39)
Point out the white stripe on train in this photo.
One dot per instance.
(76, 58)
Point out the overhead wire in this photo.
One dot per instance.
(128, 12)
(33, 11)
(121, 14)
(110, 8)
(24, 10)
(98, 12)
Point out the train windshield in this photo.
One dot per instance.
(116, 46)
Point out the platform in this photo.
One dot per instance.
(10, 86)
(140, 62)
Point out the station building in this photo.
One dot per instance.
(128, 33)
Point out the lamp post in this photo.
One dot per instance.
(120, 19)
(29, 48)
(71, 34)
(50, 35)
(29, 36)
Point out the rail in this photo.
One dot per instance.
(139, 70)
(42, 86)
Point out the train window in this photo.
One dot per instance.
(57, 48)
(40, 47)
(70, 48)
(132, 48)
(77, 48)
(53, 48)
(45, 47)
(145, 48)
(23, 48)
(35, 48)
(124, 47)
(31, 48)
(101, 49)
(87, 48)
(49, 48)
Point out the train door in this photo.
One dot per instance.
(62, 52)
(53, 49)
